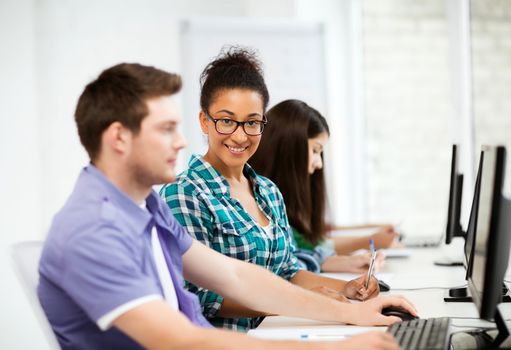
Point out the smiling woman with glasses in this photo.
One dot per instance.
(226, 126)
(223, 203)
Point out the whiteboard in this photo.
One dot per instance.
(292, 54)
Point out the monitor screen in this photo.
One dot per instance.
(453, 228)
(492, 236)
(472, 222)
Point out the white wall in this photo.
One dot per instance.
(344, 153)
(20, 214)
(409, 112)
(491, 52)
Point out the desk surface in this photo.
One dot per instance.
(415, 277)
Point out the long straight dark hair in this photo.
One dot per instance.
(283, 157)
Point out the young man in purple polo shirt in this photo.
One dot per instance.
(111, 272)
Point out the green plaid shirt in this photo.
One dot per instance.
(200, 200)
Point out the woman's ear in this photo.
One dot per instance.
(203, 120)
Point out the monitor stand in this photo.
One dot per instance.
(462, 295)
(483, 339)
(453, 256)
(445, 261)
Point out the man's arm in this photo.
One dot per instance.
(258, 289)
(156, 326)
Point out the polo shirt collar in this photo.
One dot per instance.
(216, 181)
(136, 217)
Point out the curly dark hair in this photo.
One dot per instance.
(235, 67)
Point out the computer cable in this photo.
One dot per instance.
(425, 288)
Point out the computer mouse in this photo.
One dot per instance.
(384, 287)
(402, 314)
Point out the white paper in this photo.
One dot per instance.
(325, 333)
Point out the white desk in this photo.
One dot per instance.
(403, 275)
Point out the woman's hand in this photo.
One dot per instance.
(331, 293)
(355, 289)
(384, 237)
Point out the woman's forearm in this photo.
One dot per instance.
(309, 280)
(347, 245)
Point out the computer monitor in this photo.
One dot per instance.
(453, 228)
(472, 222)
(492, 235)
(461, 294)
(492, 240)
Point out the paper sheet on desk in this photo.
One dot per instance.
(396, 253)
(411, 281)
(389, 252)
(326, 333)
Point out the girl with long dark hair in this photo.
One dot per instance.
(291, 155)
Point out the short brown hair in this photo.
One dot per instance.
(119, 94)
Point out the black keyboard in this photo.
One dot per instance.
(422, 333)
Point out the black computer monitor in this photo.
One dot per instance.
(472, 222)
(453, 228)
(492, 240)
(461, 294)
(492, 235)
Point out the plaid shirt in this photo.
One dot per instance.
(311, 257)
(200, 200)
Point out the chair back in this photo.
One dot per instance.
(25, 256)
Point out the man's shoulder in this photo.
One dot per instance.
(83, 220)
(92, 215)
(76, 228)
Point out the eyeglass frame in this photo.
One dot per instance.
(215, 120)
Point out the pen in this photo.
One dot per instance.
(371, 264)
(398, 231)
(322, 336)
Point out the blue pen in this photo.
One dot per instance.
(322, 336)
(371, 264)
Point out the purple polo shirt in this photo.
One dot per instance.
(98, 257)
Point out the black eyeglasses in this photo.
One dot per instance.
(226, 126)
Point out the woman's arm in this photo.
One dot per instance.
(354, 289)
(355, 227)
(258, 289)
(347, 263)
(383, 238)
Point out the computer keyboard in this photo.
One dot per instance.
(421, 241)
(430, 333)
